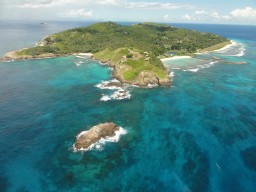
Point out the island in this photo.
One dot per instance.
(101, 131)
(133, 51)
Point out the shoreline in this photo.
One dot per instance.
(232, 43)
(175, 58)
(12, 56)
(204, 51)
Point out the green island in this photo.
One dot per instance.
(134, 51)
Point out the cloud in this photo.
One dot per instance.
(166, 17)
(79, 13)
(215, 15)
(155, 5)
(120, 3)
(201, 12)
(246, 12)
(44, 3)
(109, 2)
(235, 15)
(187, 17)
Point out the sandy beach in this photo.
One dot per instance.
(175, 58)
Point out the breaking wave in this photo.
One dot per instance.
(120, 92)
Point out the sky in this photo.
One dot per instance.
(167, 11)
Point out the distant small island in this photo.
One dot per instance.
(108, 131)
(134, 52)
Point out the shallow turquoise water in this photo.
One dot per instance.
(198, 135)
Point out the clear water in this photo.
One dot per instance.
(198, 135)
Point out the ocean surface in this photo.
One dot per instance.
(198, 135)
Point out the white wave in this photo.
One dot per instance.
(176, 68)
(105, 84)
(121, 94)
(192, 70)
(152, 85)
(207, 65)
(8, 61)
(202, 66)
(81, 57)
(80, 134)
(240, 53)
(223, 49)
(171, 74)
(78, 63)
(99, 145)
(105, 98)
(233, 45)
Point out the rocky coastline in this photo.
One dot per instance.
(13, 56)
(145, 79)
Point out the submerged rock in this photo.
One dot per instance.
(94, 134)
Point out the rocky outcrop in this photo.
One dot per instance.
(94, 134)
(15, 56)
(149, 79)
(146, 78)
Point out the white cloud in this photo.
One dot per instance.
(166, 17)
(155, 5)
(109, 2)
(246, 12)
(226, 17)
(215, 15)
(79, 13)
(44, 3)
(121, 3)
(201, 12)
(187, 17)
(234, 15)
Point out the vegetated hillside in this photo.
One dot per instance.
(133, 66)
(157, 39)
(132, 51)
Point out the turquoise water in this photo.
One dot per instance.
(198, 135)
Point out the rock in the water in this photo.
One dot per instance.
(93, 135)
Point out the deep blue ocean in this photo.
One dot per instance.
(198, 135)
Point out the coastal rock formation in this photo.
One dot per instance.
(134, 67)
(13, 55)
(94, 134)
(146, 78)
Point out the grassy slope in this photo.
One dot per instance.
(130, 62)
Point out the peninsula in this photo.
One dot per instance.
(134, 51)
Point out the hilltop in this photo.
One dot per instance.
(133, 51)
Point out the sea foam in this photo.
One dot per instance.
(233, 47)
(120, 92)
(192, 70)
